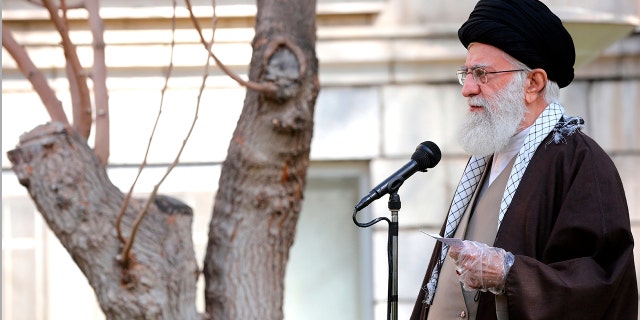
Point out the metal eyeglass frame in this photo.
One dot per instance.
(479, 74)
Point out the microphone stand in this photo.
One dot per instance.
(392, 247)
(427, 155)
(394, 206)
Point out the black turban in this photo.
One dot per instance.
(525, 29)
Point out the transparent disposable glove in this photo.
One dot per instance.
(481, 267)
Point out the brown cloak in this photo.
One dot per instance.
(568, 227)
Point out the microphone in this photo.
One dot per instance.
(426, 156)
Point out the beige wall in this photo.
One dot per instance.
(388, 83)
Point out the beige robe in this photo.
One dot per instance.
(479, 223)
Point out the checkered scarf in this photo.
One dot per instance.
(550, 120)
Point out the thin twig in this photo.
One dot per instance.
(127, 248)
(268, 88)
(127, 243)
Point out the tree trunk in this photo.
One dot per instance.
(71, 190)
(263, 178)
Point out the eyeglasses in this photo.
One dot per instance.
(479, 74)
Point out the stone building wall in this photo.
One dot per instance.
(387, 74)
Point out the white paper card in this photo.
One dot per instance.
(451, 242)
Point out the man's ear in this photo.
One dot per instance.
(536, 81)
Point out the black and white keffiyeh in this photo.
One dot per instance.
(551, 119)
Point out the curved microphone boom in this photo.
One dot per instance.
(426, 156)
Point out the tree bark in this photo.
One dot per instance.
(71, 190)
(261, 186)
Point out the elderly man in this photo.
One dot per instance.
(541, 208)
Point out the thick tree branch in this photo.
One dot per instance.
(78, 201)
(253, 224)
(99, 77)
(35, 76)
(81, 115)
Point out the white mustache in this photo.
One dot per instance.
(478, 102)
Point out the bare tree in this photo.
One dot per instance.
(263, 178)
(137, 253)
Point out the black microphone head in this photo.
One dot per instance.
(427, 155)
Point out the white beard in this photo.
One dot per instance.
(486, 132)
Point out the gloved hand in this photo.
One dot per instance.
(481, 267)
